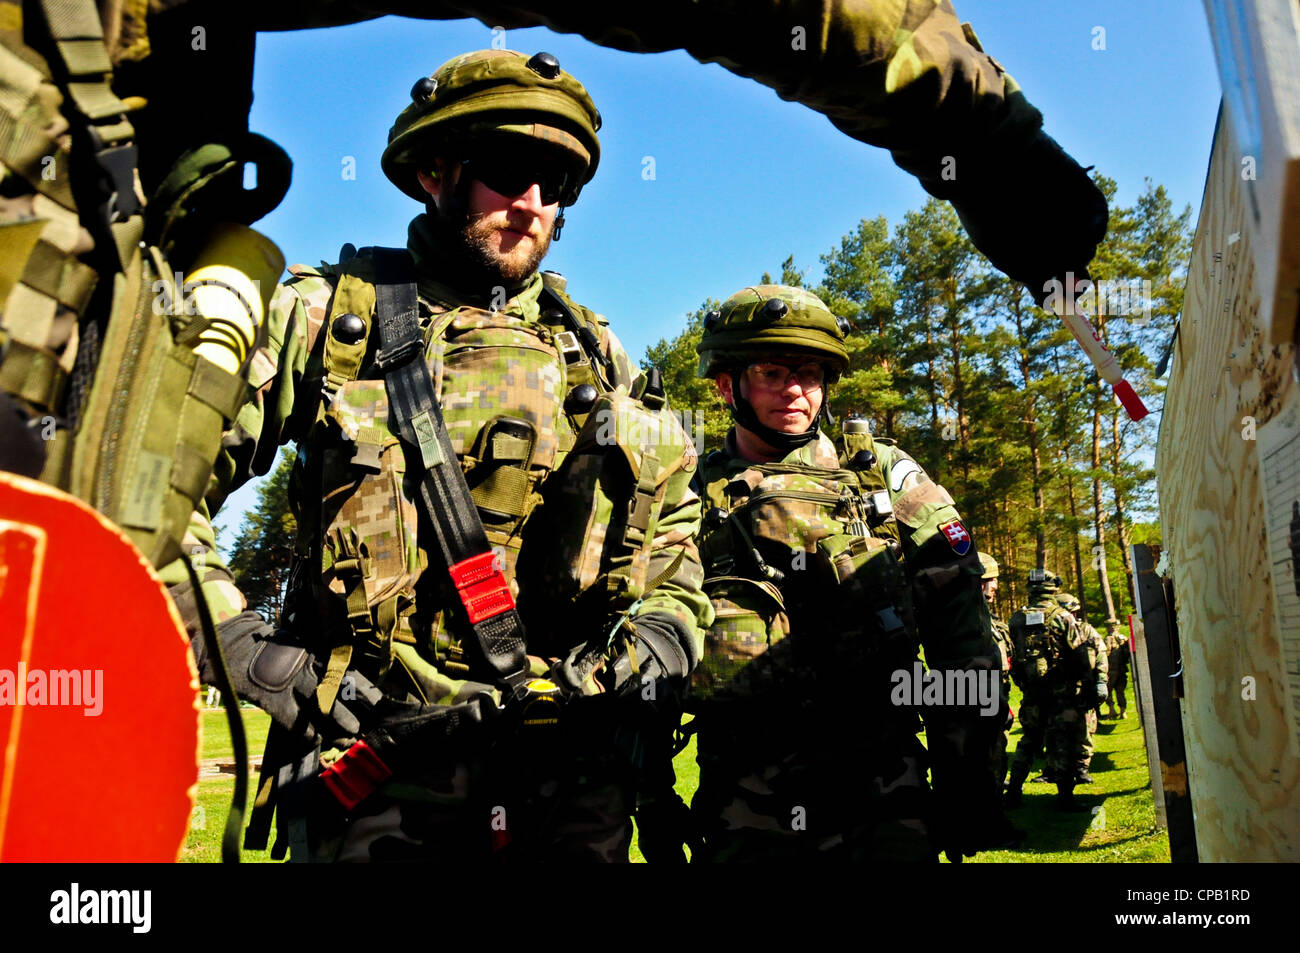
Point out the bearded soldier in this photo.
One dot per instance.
(1055, 668)
(559, 482)
(823, 564)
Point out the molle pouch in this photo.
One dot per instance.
(499, 477)
(151, 428)
(1034, 646)
(369, 559)
(871, 593)
(588, 544)
(509, 371)
(743, 647)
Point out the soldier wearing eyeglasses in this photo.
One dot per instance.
(824, 561)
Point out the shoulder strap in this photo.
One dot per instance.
(475, 570)
(341, 359)
(584, 346)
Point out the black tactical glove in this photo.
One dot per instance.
(660, 645)
(276, 676)
(1026, 204)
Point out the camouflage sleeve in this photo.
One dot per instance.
(681, 594)
(270, 416)
(951, 615)
(249, 447)
(957, 632)
(224, 599)
(903, 75)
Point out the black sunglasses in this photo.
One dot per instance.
(510, 176)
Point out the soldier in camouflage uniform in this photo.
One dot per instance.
(1055, 669)
(1002, 637)
(578, 471)
(1100, 667)
(1117, 652)
(823, 562)
(1095, 648)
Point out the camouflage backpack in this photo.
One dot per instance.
(98, 359)
(1037, 645)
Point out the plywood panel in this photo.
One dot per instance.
(1257, 45)
(1226, 377)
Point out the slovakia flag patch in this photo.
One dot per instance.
(957, 537)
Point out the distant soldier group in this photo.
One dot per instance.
(1066, 670)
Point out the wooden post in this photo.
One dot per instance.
(1158, 660)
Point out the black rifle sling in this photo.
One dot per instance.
(475, 570)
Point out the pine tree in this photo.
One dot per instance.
(693, 398)
(262, 551)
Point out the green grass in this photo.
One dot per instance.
(203, 842)
(215, 734)
(208, 821)
(1120, 825)
(1124, 830)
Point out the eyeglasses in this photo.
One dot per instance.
(510, 176)
(771, 376)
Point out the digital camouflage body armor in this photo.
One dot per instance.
(826, 569)
(541, 475)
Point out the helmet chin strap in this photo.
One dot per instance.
(743, 413)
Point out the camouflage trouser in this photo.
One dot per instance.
(1118, 683)
(821, 800)
(1063, 729)
(481, 811)
(1090, 716)
(1003, 738)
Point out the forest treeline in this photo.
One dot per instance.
(954, 362)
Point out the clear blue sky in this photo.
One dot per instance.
(742, 178)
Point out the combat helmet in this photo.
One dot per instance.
(989, 565)
(1068, 601)
(766, 321)
(493, 93)
(1041, 580)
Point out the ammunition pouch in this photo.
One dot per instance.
(602, 510)
(743, 649)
